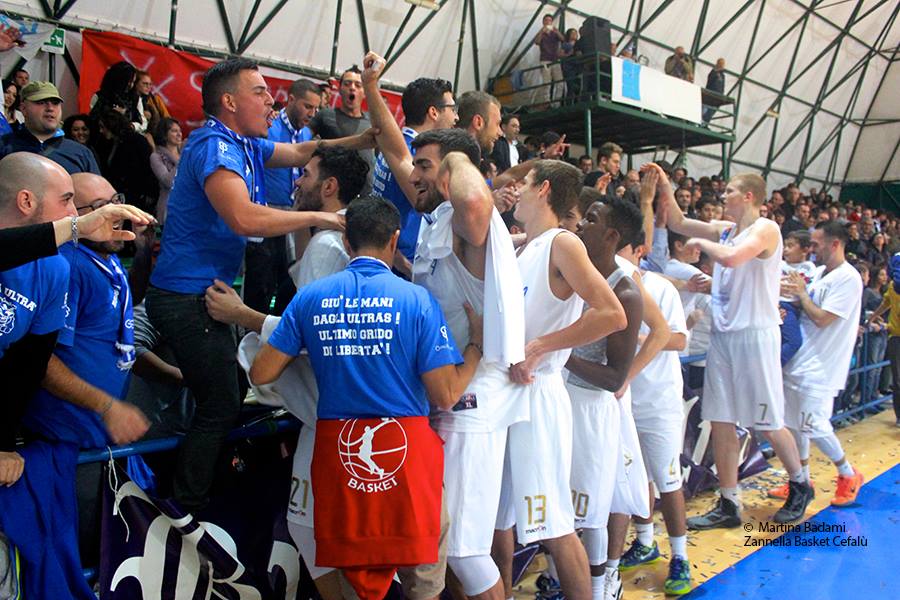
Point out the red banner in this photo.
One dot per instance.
(177, 76)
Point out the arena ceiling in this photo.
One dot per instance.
(815, 81)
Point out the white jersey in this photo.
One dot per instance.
(491, 401)
(324, 255)
(746, 297)
(681, 270)
(595, 351)
(806, 268)
(544, 312)
(823, 360)
(296, 388)
(661, 379)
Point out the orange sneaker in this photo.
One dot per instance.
(847, 488)
(781, 492)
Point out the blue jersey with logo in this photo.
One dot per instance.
(385, 185)
(197, 245)
(87, 346)
(370, 336)
(33, 299)
(280, 181)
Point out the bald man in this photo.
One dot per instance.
(37, 306)
(90, 368)
(34, 190)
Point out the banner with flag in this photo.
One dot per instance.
(638, 85)
(177, 76)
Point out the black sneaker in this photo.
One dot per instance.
(800, 494)
(725, 514)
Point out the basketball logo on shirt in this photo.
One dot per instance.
(372, 455)
(7, 316)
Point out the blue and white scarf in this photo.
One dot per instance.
(296, 138)
(122, 300)
(255, 163)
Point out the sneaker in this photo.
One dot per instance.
(781, 492)
(548, 588)
(612, 585)
(725, 514)
(847, 489)
(799, 496)
(678, 582)
(639, 555)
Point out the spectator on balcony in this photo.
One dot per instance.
(680, 65)
(549, 40)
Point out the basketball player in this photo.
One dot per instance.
(743, 376)
(464, 255)
(658, 410)
(830, 308)
(559, 280)
(597, 371)
(366, 381)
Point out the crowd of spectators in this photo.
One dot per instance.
(128, 150)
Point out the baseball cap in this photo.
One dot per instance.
(40, 90)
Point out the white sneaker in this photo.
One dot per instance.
(612, 586)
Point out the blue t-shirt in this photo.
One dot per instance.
(33, 299)
(87, 346)
(370, 336)
(197, 245)
(385, 185)
(4, 125)
(280, 182)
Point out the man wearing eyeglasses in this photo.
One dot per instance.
(41, 133)
(427, 104)
(95, 350)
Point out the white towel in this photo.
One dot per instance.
(504, 295)
(295, 389)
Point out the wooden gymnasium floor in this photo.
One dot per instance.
(723, 566)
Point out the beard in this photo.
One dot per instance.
(430, 201)
(104, 247)
(308, 200)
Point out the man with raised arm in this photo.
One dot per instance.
(745, 335)
(464, 255)
(559, 280)
(217, 202)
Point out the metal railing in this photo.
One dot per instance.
(586, 78)
(869, 396)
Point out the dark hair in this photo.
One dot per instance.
(626, 218)
(607, 150)
(450, 140)
(345, 165)
(301, 87)
(834, 231)
(371, 222)
(161, 133)
(18, 100)
(675, 237)
(587, 157)
(703, 201)
(565, 184)
(352, 69)
(801, 236)
(220, 79)
(474, 103)
(548, 138)
(117, 123)
(507, 117)
(485, 166)
(19, 70)
(70, 122)
(587, 197)
(116, 81)
(420, 95)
